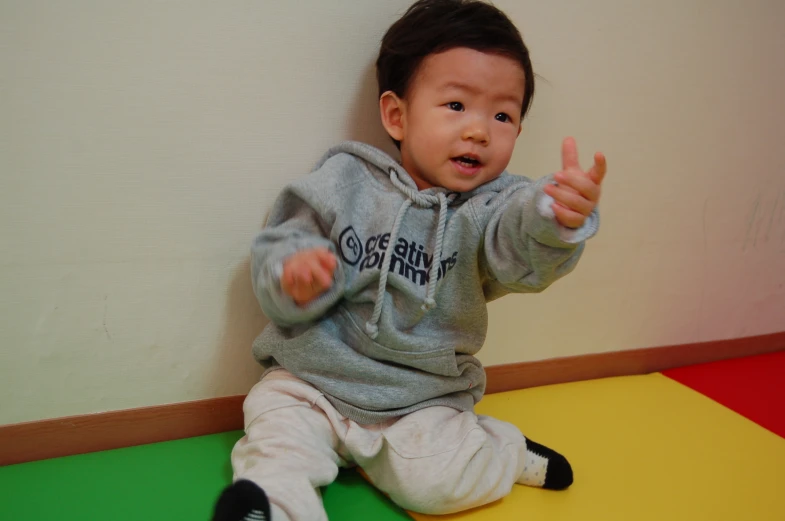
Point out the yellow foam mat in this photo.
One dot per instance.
(642, 448)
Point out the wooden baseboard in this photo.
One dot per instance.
(45, 439)
(72, 435)
(510, 377)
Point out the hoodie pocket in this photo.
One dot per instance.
(440, 361)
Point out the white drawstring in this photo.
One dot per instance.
(423, 201)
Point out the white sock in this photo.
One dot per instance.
(534, 470)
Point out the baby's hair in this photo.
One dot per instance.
(435, 26)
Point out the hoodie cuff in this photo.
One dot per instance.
(545, 229)
(292, 313)
(279, 306)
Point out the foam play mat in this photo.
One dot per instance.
(697, 443)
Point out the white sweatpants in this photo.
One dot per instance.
(437, 460)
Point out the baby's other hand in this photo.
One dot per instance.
(577, 192)
(307, 274)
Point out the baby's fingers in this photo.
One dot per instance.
(570, 199)
(327, 259)
(578, 182)
(599, 169)
(567, 217)
(298, 286)
(322, 277)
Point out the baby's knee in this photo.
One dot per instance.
(482, 477)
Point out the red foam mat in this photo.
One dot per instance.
(753, 387)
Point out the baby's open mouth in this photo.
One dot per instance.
(467, 161)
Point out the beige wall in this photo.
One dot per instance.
(141, 144)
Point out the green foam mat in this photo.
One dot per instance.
(171, 481)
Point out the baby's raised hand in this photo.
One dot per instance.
(307, 274)
(577, 192)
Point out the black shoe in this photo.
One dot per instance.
(242, 501)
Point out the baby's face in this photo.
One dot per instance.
(461, 119)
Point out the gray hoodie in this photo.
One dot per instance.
(406, 314)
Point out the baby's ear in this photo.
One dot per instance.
(392, 110)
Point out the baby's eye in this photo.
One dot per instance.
(504, 118)
(456, 106)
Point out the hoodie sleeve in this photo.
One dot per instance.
(525, 248)
(296, 222)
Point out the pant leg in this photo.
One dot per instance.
(290, 447)
(439, 460)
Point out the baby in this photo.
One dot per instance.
(375, 275)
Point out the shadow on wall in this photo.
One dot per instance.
(234, 369)
(364, 123)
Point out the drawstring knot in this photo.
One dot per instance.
(372, 330)
(428, 305)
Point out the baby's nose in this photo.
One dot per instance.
(477, 132)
